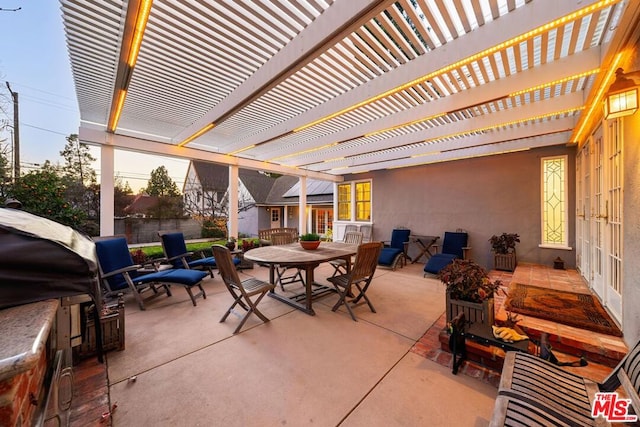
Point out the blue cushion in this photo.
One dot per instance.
(181, 276)
(398, 237)
(113, 254)
(454, 242)
(388, 255)
(438, 261)
(202, 262)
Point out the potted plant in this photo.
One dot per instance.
(470, 290)
(310, 241)
(504, 251)
(231, 243)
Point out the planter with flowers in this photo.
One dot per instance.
(469, 290)
(504, 251)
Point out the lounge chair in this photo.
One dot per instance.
(175, 249)
(393, 253)
(454, 246)
(119, 273)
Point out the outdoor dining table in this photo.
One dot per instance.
(293, 255)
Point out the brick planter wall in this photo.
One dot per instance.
(19, 395)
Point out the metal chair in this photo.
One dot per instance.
(242, 290)
(340, 265)
(359, 277)
(281, 279)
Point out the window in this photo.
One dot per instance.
(363, 201)
(344, 202)
(554, 201)
(354, 201)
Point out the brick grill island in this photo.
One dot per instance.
(24, 360)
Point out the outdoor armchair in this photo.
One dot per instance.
(119, 273)
(359, 277)
(243, 291)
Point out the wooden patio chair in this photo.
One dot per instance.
(243, 291)
(340, 265)
(285, 239)
(359, 277)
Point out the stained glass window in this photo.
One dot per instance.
(554, 201)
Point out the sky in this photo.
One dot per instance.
(35, 62)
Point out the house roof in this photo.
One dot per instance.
(264, 188)
(323, 88)
(141, 204)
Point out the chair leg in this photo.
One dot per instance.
(342, 301)
(192, 296)
(253, 309)
(363, 294)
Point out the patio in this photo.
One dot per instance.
(297, 369)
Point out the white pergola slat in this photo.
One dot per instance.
(263, 72)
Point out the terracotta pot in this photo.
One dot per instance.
(310, 244)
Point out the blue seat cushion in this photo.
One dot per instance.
(388, 255)
(437, 262)
(180, 276)
(208, 262)
(202, 262)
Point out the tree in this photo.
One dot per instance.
(42, 193)
(122, 196)
(161, 184)
(5, 172)
(79, 178)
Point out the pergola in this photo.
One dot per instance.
(322, 88)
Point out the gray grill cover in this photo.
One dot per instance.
(41, 259)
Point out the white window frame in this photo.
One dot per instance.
(352, 207)
(565, 217)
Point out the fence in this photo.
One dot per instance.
(145, 230)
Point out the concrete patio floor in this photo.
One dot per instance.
(296, 370)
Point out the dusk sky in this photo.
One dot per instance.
(34, 60)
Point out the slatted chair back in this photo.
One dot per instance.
(281, 239)
(627, 374)
(366, 261)
(226, 267)
(350, 227)
(367, 232)
(353, 237)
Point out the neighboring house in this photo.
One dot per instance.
(264, 201)
(141, 205)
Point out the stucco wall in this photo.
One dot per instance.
(631, 239)
(485, 196)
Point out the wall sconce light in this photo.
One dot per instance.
(622, 98)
